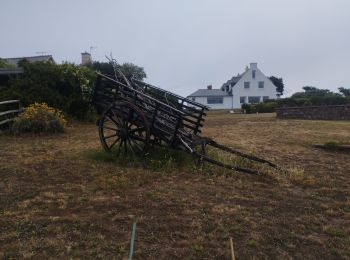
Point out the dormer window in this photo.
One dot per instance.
(253, 74)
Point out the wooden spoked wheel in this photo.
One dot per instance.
(124, 128)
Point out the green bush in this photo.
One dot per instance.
(67, 87)
(314, 97)
(39, 118)
(5, 64)
(266, 107)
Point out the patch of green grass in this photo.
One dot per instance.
(197, 247)
(157, 159)
(345, 208)
(252, 242)
(336, 232)
(165, 159)
(333, 144)
(154, 194)
(205, 210)
(7, 202)
(9, 254)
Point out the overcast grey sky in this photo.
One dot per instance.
(187, 44)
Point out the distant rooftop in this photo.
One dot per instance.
(209, 93)
(14, 61)
(10, 71)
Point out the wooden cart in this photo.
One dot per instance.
(134, 115)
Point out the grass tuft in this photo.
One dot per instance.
(156, 159)
(335, 232)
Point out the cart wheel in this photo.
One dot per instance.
(124, 127)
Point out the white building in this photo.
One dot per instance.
(252, 86)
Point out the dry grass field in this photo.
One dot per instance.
(61, 198)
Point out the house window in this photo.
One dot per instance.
(242, 100)
(246, 84)
(253, 100)
(261, 84)
(253, 74)
(265, 98)
(215, 100)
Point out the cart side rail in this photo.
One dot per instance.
(195, 105)
(142, 94)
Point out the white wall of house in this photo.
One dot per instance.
(252, 87)
(227, 102)
(239, 90)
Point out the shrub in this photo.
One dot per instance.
(67, 87)
(39, 118)
(314, 97)
(266, 107)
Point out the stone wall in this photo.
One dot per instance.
(336, 112)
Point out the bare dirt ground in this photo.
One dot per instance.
(56, 202)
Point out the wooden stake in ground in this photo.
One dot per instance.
(131, 252)
(232, 252)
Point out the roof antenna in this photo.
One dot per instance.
(42, 53)
(91, 49)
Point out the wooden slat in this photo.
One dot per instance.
(142, 94)
(9, 102)
(174, 95)
(6, 121)
(10, 112)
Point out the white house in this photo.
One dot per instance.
(252, 86)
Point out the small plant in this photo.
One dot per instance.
(332, 144)
(39, 118)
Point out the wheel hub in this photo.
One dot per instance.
(123, 133)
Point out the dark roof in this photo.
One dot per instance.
(9, 71)
(231, 81)
(14, 61)
(209, 93)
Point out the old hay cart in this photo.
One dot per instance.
(135, 115)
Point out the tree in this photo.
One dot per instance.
(345, 91)
(314, 96)
(278, 82)
(310, 88)
(5, 64)
(129, 69)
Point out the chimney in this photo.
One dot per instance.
(86, 58)
(253, 65)
(209, 87)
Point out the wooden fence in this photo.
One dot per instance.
(8, 111)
